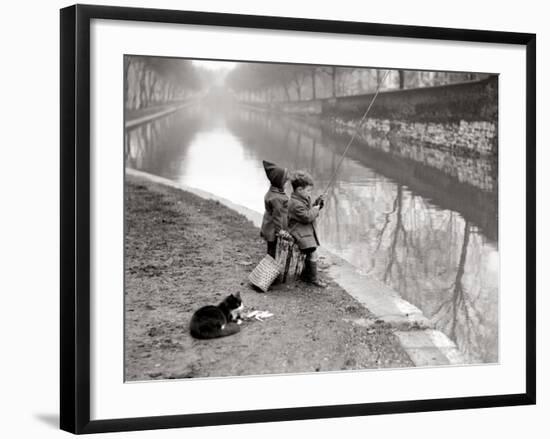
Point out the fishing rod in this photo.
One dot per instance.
(331, 181)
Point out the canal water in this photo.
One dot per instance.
(430, 236)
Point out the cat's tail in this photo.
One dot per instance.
(228, 329)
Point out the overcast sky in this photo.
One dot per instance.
(215, 65)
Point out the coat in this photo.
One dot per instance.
(276, 213)
(301, 221)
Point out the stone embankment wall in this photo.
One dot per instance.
(461, 161)
(453, 128)
(459, 118)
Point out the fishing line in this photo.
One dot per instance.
(331, 181)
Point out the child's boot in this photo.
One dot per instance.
(314, 276)
(305, 275)
(309, 274)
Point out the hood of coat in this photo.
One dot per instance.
(275, 174)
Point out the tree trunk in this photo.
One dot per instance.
(287, 92)
(152, 88)
(313, 85)
(141, 88)
(170, 91)
(299, 90)
(333, 76)
(127, 64)
(146, 88)
(401, 79)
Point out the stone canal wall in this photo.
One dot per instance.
(468, 101)
(467, 166)
(461, 119)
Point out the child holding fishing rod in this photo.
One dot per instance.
(302, 214)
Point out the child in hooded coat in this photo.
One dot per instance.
(274, 223)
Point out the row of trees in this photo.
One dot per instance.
(152, 80)
(276, 81)
(288, 82)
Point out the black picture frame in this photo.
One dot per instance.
(75, 217)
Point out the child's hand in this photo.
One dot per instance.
(320, 202)
(285, 235)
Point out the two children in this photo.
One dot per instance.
(296, 215)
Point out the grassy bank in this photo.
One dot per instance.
(183, 252)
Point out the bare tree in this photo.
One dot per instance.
(158, 78)
(401, 79)
(298, 78)
(332, 74)
(313, 74)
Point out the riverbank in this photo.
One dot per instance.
(134, 118)
(183, 252)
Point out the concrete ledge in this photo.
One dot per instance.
(429, 348)
(383, 301)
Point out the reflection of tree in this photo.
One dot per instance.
(457, 315)
(313, 150)
(154, 146)
(387, 217)
(398, 229)
(297, 149)
(401, 244)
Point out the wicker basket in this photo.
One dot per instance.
(265, 273)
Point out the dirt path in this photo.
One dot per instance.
(183, 252)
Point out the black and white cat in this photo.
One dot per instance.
(213, 321)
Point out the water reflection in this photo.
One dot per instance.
(430, 236)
